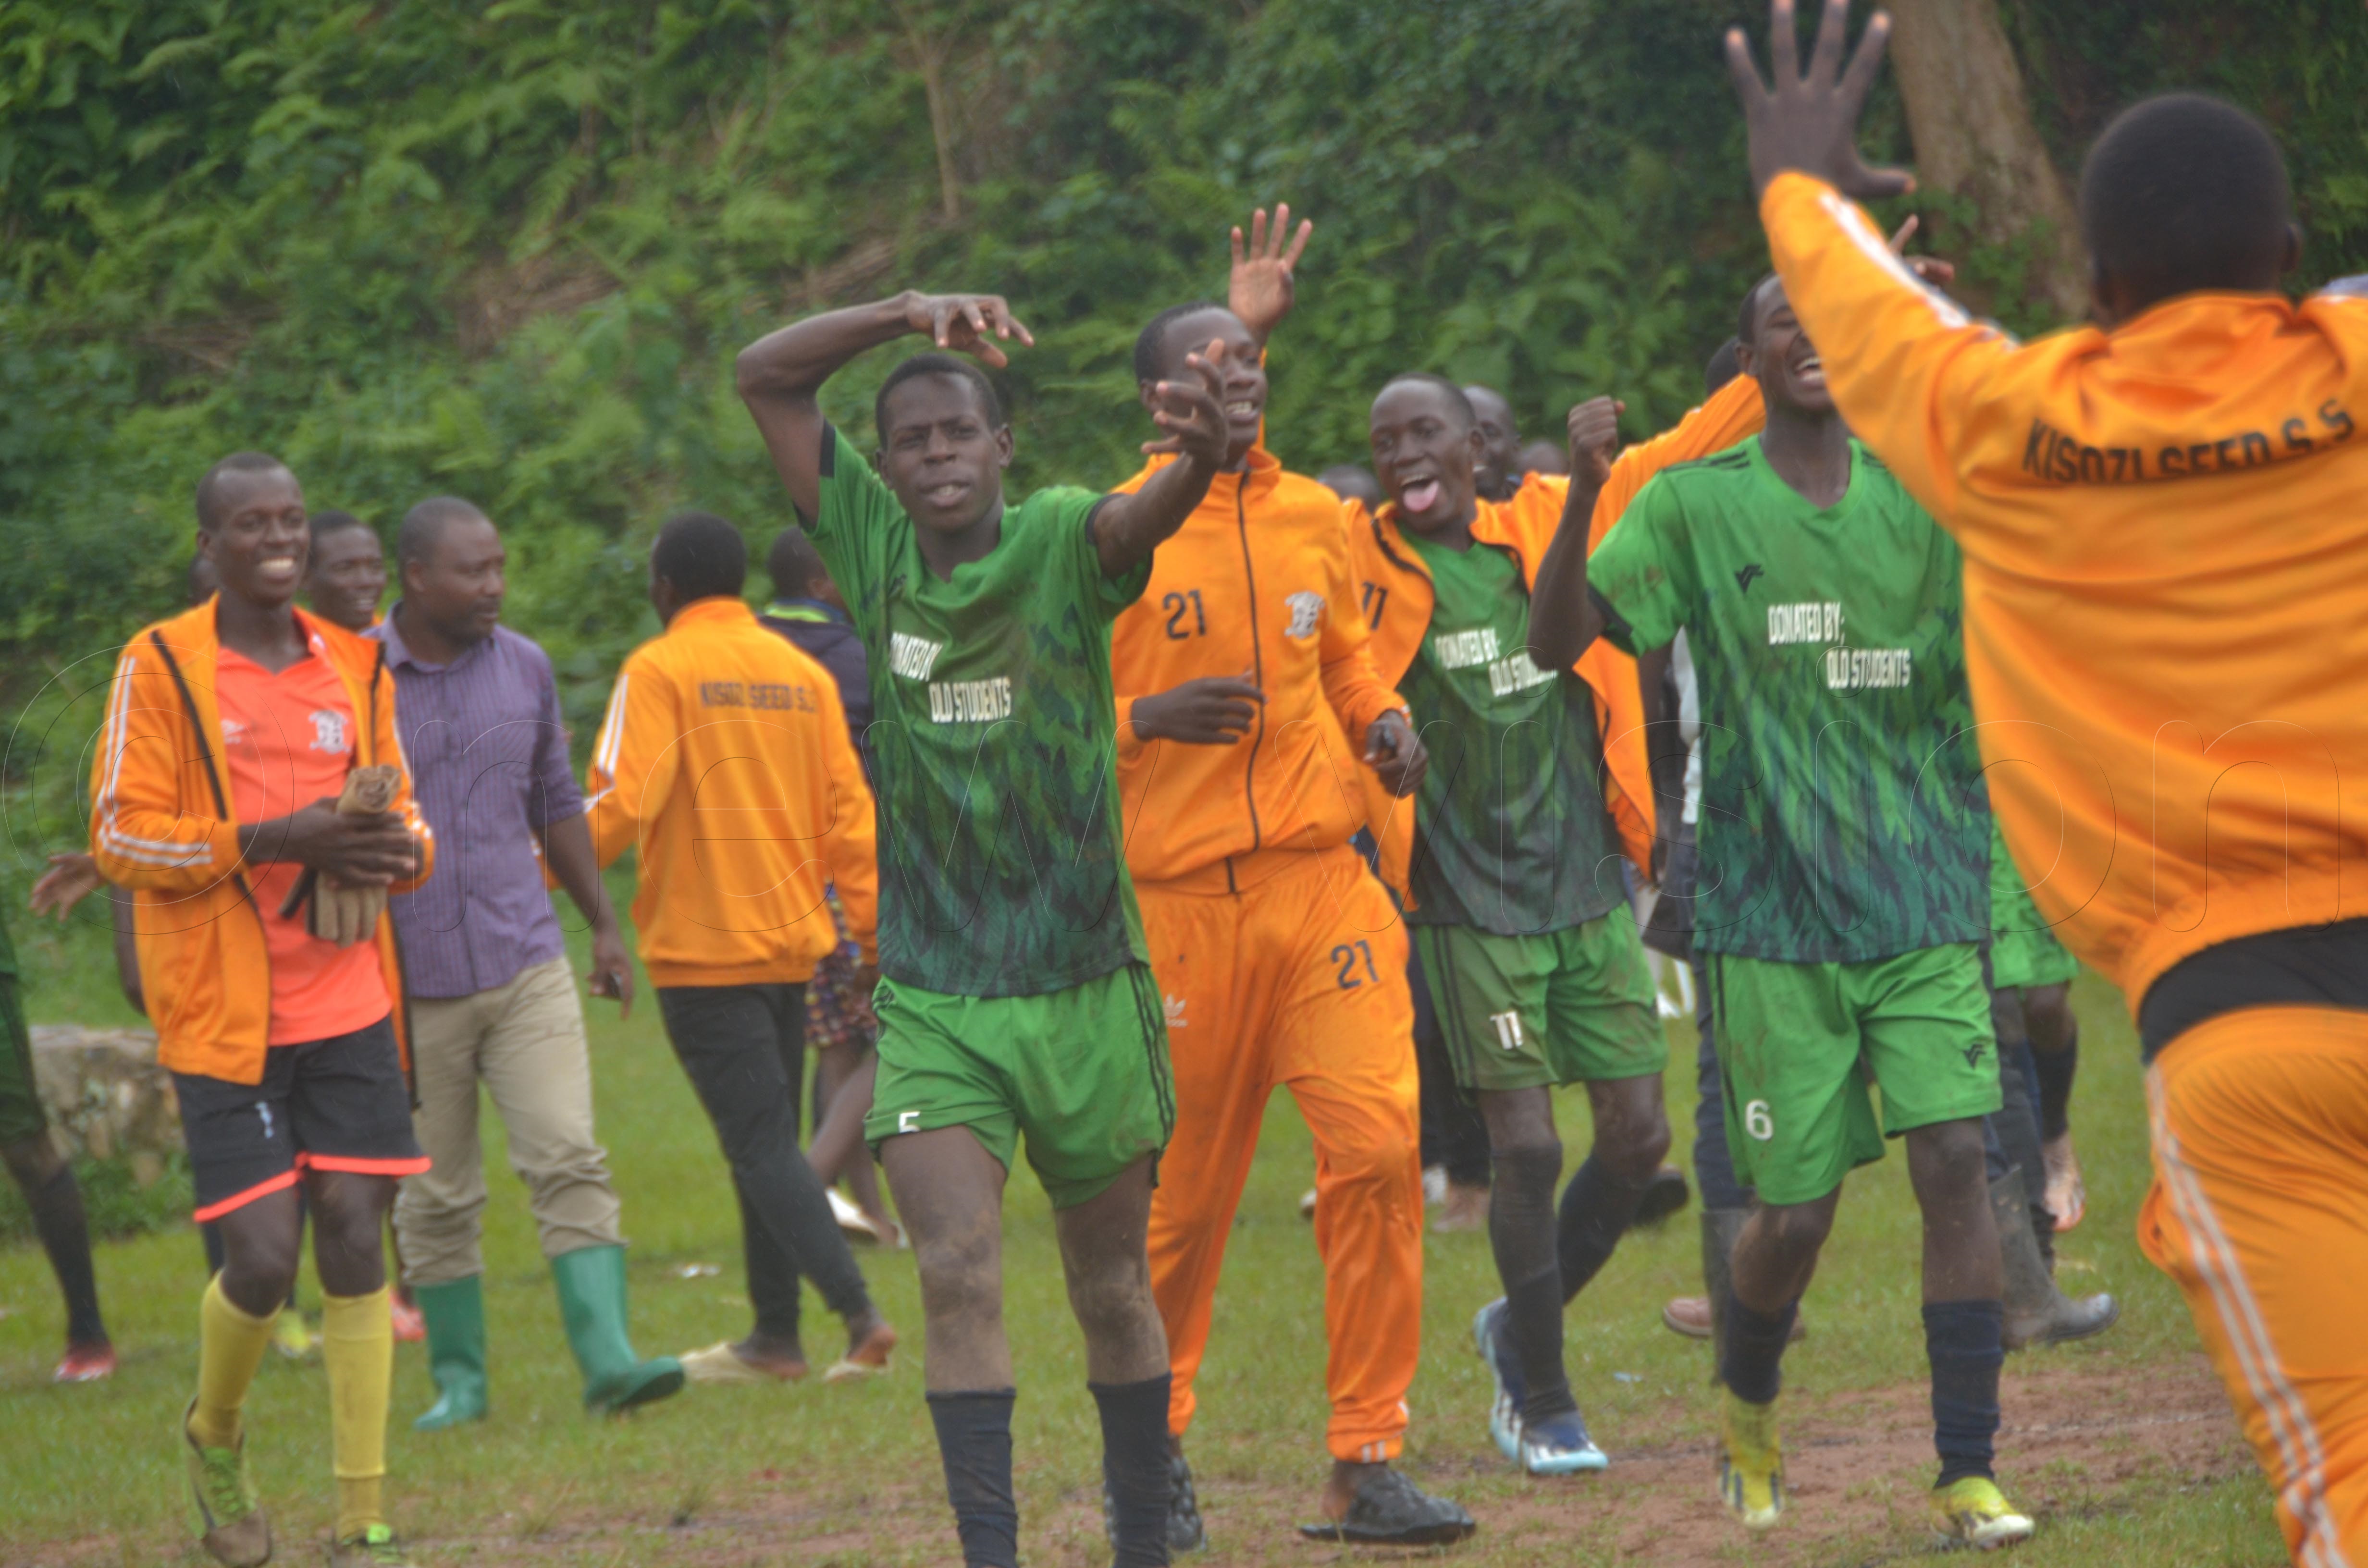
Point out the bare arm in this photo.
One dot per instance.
(781, 373)
(568, 850)
(1129, 527)
(1563, 619)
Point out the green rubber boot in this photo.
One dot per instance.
(591, 1283)
(456, 1351)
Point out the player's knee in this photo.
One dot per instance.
(259, 1269)
(1530, 1167)
(2047, 1017)
(1800, 1230)
(1635, 1150)
(1110, 1301)
(1372, 1156)
(1949, 1158)
(960, 1275)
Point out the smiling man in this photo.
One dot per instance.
(493, 1000)
(1518, 905)
(1016, 998)
(345, 575)
(1498, 472)
(231, 733)
(1247, 701)
(1844, 885)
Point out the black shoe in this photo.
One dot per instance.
(1184, 1531)
(1664, 1195)
(1390, 1510)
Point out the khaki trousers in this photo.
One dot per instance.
(524, 1043)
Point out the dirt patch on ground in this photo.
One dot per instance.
(2076, 1441)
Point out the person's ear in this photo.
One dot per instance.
(1144, 395)
(1003, 446)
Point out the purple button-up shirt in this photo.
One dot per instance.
(489, 767)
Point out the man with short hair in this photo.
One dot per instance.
(347, 576)
(1497, 472)
(1018, 997)
(1843, 899)
(724, 757)
(493, 1001)
(232, 733)
(2165, 522)
(1251, 718)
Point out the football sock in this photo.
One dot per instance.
(357, 1351)
(1521, 1234)
(230, 1342)
(1596, 1207)
(1135, 1464)
(1964, 1341)
(1754, 1364)
(974, 1441)
(65, 1236)
(2056, 1070)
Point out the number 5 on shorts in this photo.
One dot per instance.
(1758, 1122)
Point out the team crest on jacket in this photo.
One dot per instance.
(1307, 614)
(328, 731)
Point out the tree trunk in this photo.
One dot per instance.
(1971, 119)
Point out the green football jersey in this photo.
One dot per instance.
(1512, 836)
(1843, 813)
(995, 733)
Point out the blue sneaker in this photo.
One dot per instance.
(1560, 1446)
(1505, 1414)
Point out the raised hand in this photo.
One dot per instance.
(1594, 430)
(1214, 710)
(966, 324)
(1262, 291)
(1810, 123)
(1192, 410)
(1930, 269)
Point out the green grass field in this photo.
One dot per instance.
(2121, 1446)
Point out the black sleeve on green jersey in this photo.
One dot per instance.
(1641, 574)
(855, 525)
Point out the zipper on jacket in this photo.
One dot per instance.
(1258, 666)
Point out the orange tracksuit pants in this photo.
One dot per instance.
(1298, 980)
(2259, 1210)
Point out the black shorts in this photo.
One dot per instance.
(338, 1104)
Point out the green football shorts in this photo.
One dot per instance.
(2023, 949)
(1558, 1008)
(21, 1116)
(1798, 1044)
(1083, 1072)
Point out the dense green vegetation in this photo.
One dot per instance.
(507, 250)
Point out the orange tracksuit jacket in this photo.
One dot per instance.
(1395, 592)
(2165, 530)
(1280, 960)
(726, 757)
(163, 824)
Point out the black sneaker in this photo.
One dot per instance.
(1390, 1510)
(1184, 1531)
(1664, 1195)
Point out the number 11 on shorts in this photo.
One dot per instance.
(1508, 1029)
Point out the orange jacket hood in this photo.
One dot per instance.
(2165, 539)
(725, 758)
(164, 824)
(1257, 583)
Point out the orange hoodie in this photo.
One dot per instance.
(2166, 537)
(1396, 591)
(726, 757)
(1257, 584)
(162, 825)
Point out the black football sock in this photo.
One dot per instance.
(2056, 1070)
(1597, 1207)
(1754, 1365)
(1964, 1341)
(1521, 1234)
(974, 1441)
(1134, 1465)
(65, 1236)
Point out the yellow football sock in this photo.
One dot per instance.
(357, 1351)
(230, 1342)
